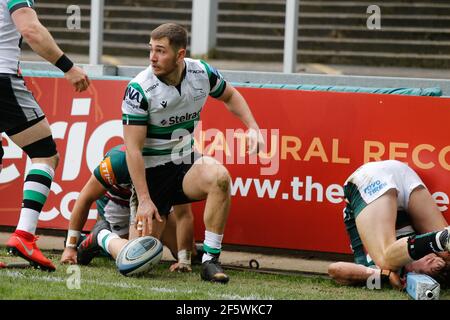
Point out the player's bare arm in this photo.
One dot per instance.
(237, 105)
(42, 42)
(134, 137)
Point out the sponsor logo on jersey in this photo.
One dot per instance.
(152, 87)
(133, 94)
(186, 117)
(196, 71)
(163, 103)
(132, 104)
(107, 172)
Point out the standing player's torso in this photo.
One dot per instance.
(173, 112)
(10, 38)
(171, 108)
(169, 105)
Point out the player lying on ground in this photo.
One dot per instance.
(353, 274)
(384, 200)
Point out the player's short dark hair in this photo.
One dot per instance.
(176, 34)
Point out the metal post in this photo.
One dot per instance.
(96, 32)
(290, 36)
(204, 26)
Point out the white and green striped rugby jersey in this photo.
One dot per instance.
(10, 38)
(170, 113)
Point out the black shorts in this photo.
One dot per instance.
(18, 108)
(165, 184)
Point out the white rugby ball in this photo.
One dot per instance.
(139, 255)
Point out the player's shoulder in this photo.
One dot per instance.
(114, 165)
(193, 64)
(116, 151)
(197, 67)
(144, 79)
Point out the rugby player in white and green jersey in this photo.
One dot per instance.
(167, 96)
(170, 112)
(23, 120)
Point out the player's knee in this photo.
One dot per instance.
(222, 179)
(216, 179)
(55, 160)
(43, 148)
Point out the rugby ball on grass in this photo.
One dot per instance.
(139, 255)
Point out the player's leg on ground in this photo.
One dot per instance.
(211, 180)
(112, 243)
(37, 142)
(376, 226)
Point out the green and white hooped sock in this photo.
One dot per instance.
(35, 192)
(212, 245)
(104, 237)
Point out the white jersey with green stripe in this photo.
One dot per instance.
(10, 39)
(170, 113)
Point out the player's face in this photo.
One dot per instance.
(163, 58)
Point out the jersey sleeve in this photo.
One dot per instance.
(105, 174)
(134, 106)
(13, 5)
(112, 170)
(217, 83)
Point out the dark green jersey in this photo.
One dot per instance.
(113, 174)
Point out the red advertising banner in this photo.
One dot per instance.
(288, 197)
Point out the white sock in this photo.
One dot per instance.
(35, 192)
(104, 237)
(212, 245)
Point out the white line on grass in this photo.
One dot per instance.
(18, 274)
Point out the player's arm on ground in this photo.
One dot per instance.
(42, 42)
(92, 191)
(185, 237)
(135, 120)
(347, 273)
